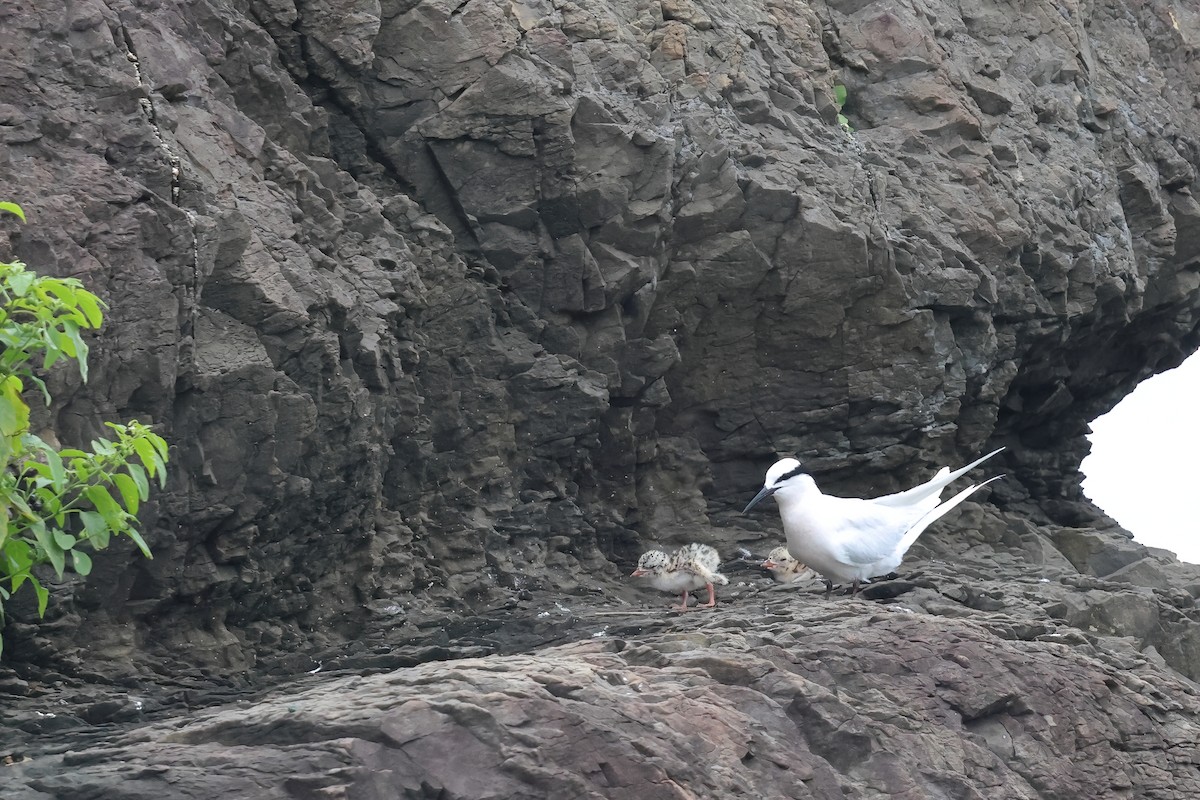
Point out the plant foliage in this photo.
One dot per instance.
(839, 98)
(57, 505)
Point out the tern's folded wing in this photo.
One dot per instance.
(863, 532)
(928, 494)
(933, 516)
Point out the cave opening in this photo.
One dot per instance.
(1142, 465)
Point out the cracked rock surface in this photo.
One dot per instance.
(777, 695)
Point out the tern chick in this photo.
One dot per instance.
(694, 566)
(853, 539)
(784, 568)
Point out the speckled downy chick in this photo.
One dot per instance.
(694, 566)
(784, 568)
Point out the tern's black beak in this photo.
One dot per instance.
(766, 492)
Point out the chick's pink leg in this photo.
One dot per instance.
(683, 607)
(712, 597)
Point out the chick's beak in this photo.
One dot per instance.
(769, 564)
(637, 573)
(763, 494)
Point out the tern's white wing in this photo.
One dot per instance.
(933, 516)
(928, 494)
(862, 532)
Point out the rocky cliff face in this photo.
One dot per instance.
(449, 309)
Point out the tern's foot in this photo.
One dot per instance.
(681, 608)
(713, 604)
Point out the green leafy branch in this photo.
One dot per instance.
(53, 503)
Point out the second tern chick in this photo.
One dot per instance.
(692, 567)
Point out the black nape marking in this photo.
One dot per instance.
(799, 470)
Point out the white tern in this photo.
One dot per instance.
(854, 539)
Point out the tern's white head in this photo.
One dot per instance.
(780, 469)
(785, 475)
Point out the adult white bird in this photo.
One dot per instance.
(854, 539)
(693, 567)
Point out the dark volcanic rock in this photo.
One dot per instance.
(437, 303)
(450, 309)
(778, 697)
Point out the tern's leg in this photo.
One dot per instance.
(712, 598)
(828, 588)
(684, 606)
(854, 587)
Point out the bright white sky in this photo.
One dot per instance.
(1143, 466)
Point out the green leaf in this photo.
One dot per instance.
(128, 490)
(63, 289)
(38, 467)
(63, 539)
(104, 503)
(58, 472)
(138, 474)
(90, 305)
(41, 384)
(80, 347)
(50, 547)
(160, 444)
(17, 501)
(19, 555)
(82, 562)
(51, 504)
(140, 542)
(50, 359)
(95, 529)
(60, 341)
(34, 442)
(19, 283)
(146, 452)
(14, 414)
(839, 95)
(82, 469)
(43, 596)
(12, 208)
